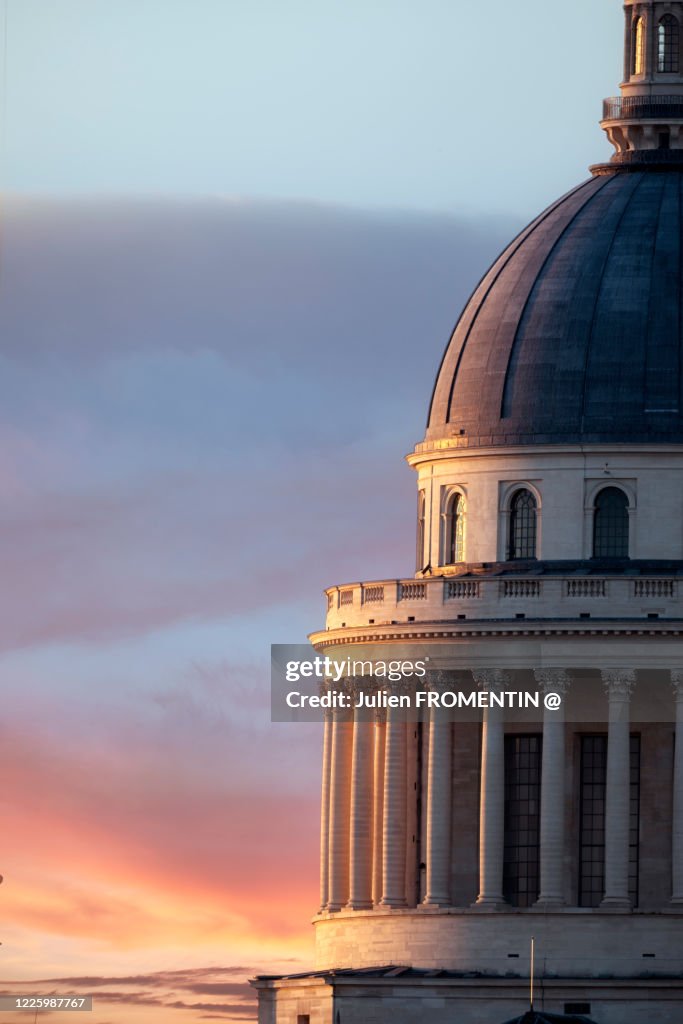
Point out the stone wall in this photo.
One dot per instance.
(571, 942)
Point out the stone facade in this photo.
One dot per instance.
(392, 996)
(549, 558)
(565, 482)
(648, 117)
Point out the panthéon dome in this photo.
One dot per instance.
(575, 334)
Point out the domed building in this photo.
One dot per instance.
(549, 559)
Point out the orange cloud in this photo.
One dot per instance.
(127, 854)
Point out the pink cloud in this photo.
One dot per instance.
(123, 837)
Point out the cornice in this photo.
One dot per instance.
(439, 631)
(449, 448)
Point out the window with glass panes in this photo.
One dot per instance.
(456, 529)
(420, 546)
(592, 819)
(610, 524)
(522, 539)
(522, 819)
(638, 58)
(668, 45)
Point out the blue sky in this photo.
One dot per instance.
(204, 407)
(433, 105)
(235, 238)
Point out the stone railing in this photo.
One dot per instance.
(552, 596)
(520, 588)
(587, 588)
(459, 589)
(655, 588)
(616, 108)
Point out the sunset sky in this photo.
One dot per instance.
(235, 237)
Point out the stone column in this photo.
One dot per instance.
(439, 796)
(492, 795)
(628, 28)
(394, 821)
(619, 685)
(552, 680)
(677, 831)
(340, 794)
(360, 881)
(378, 806)
(325, 814)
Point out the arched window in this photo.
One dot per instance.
(522, 536)
(455, 530)
(610, 524)
(421, 508)
(668, 44)
(638, 48)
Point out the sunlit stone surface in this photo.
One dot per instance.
(549, 550)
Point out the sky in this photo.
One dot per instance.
(373, 103)
(234, 239)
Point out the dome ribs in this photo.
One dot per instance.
(662, 355)
(614, 389)
(482, 367)
(575, 335)
(557, 319)
(442, 395)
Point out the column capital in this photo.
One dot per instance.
(328, 685)
(355, 685)
(496, 679)
(553, 680)
(397, 686)
(618, 683)
(438, 679)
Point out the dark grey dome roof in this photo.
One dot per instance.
(575, 333)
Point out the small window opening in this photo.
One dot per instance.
(610, 524)
(420, 559)
(638, 58)
(668, 45)
(456, 530)
(522, 537)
